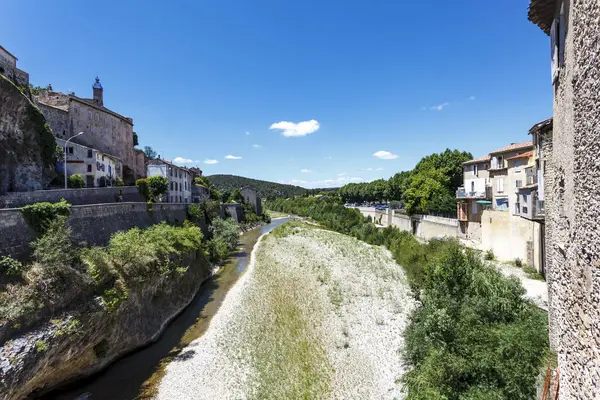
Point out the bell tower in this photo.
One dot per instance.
(98, 92)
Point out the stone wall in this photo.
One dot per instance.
(27, 146)
(58, 119)
(92, 224)
(13, 73)
(72, 196)
(422, 226)
(235, 211)
(573, 206)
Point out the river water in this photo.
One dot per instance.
(138, 374)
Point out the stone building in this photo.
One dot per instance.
(250, 195)
(96, 168)
(473, 196)
(102, 128)
(8, 68)
(180, 180)
(572, 192)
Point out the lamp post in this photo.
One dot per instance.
(65, 156)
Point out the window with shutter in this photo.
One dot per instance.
(554, 49)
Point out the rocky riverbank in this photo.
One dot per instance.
(317, 314)
(86, 339)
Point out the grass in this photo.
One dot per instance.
(277, 214)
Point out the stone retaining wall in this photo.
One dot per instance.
(73, 196)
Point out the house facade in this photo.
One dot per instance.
(8, 68)
(180, 180)
(97, 169)
(572, 192)
(102, 128)
(505, 170)
(473, 197)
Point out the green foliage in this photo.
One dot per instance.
(150, 153)
(41, 346)
(474, 336)
(10, 267)
(135, 139)
(489, 255)
(119, 182)
(55, 249)
(142, 185)
(39, 215)
(224, 238)
(114, 296)
(195, 212)
(518, 263)
(157, 186)
(265, 189)
(75, 181)
(212, 210)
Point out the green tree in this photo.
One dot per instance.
(157, 186)
(424, 186)
(75, 181)
(150, 153)
(135, 139)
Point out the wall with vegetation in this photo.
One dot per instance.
(72, 196)
(93, 224)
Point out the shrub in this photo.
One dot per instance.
(518, 263)
(157, 186)
(142, 185)
(55, 248)
(195, 212)
(10, 267)
(119, 182)
(489, 255)
(75, 181)
(224, 238)
(39, 215)
(212, 210)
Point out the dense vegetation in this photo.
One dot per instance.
(474, 336)
(429, 187)
(269, 190)
(61, 272)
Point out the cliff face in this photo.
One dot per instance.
(86, 339)
(27, 145)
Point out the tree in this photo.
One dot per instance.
(75, 181)
(150, 153)
(424, 186)
(157, 186)
(135, 139)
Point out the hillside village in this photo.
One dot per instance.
(528, 207)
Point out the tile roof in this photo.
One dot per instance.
(523, 155)
(541, 13)
(476, 160)
(514, 146)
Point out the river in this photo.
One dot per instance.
(138, 374)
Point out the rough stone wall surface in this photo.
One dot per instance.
(235, 211)
(92, 224)
(58, 119)
(140, 164)
(574, 206)
(14, 74)
(26, 145)
(72, 196)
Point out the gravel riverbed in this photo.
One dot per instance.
(316, 315)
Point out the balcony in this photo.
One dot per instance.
(538, 210)
(461, 193)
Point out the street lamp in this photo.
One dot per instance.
(65, 156)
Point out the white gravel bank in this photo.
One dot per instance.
(317, 314)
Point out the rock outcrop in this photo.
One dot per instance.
(86, 339)
(27, 145)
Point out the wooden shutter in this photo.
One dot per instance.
(554, 49)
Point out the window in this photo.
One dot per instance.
(90, 153)
(518, 162)
(474, 208)
(89, 168)
(500, 185)
(185, 185)
(180, 199)
(97, 117)
(70, 150)
(90, 115)
(474, 169)
(176, 186)
(518, 183)
(171, 185)
(499, 162)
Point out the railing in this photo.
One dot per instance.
(461, 193)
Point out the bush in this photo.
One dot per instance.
(224, 238)
(142, 185)
(195, 212)
(39, 215)
(157, 186)
(75, 181)
(10, 267)
(489, 256)
(518, 263)
(119, 182)
(212, 210)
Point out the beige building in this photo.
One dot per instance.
(505, 169)
(96, 168)
(473, 197)
(102, 128)
(8, 68)
(572, 192)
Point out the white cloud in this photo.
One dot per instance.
(472, 98)
(385, 155)
(306, 171)
(440, 107)
(181, 160)
(370, 169)
(342, 174)
(230, 157)
(256, 146)
(247, 133)
(290, 129)
(207, 161)
(379, 169)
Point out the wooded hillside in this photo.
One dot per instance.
(266, 189)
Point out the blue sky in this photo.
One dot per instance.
(207, 79)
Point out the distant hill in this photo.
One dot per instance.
(265, 188)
